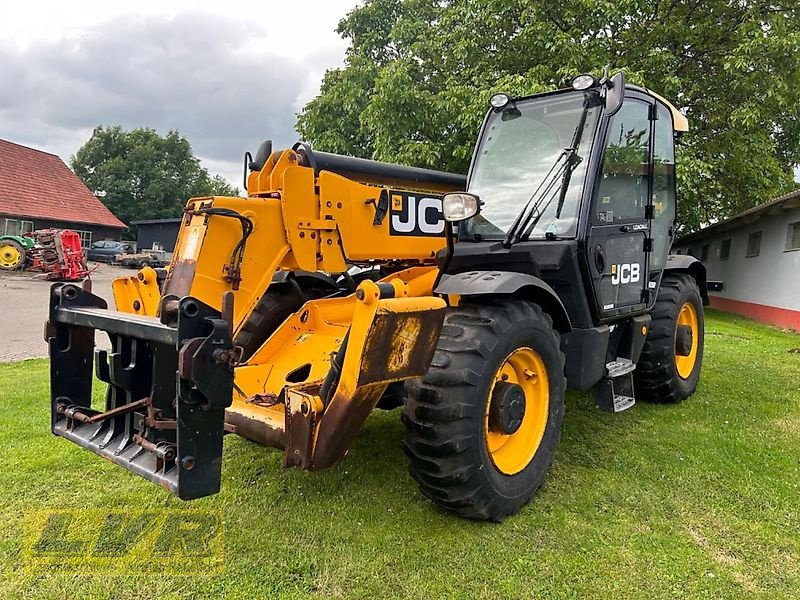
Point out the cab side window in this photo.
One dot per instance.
(624, 181)
(663, 189)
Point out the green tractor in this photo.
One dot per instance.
(13, 249)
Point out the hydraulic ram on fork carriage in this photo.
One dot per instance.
(169, 382)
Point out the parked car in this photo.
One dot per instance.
(107, 250)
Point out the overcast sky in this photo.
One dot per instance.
(225, 73)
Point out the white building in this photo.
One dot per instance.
(756, 256)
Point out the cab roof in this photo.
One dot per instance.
(679, 120)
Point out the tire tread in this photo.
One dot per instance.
(439, 416)
(655, 377)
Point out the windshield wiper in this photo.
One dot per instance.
(574, 160)
(534, 221)
(530, 214)
(531, 208)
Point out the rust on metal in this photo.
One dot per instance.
(341, 422)
(186, 357)
(168, 309)
(263, 400)
(227, 310)
(180, 278)
(232, 273)
(254, 430)
(144, 442)
(303, 411)
(162, 452)
(155, 420)
(400, 345)
(81, 417)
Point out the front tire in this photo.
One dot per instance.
(273, 308)
(666, 373)
(473, 449)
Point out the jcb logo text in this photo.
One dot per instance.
(625, 273)
(416, 215)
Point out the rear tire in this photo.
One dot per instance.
(459, 459)
(12, 255)
(661, 374)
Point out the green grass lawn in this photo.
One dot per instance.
(695, 500)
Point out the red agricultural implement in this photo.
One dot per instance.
(56, 253)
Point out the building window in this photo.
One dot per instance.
(753, 244)
(793, 236)
(725, 249)
(11, 227)
(25, 227)
(86, 238)
(704, 253)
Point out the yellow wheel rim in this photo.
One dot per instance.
(511, 453)
(10, 256)
(685, 364)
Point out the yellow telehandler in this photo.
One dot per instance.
(338, 285)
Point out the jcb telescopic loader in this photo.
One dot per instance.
(341, 284)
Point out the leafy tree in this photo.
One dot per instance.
(418, 74)
(139, 174)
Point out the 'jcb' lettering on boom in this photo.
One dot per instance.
(419, 216)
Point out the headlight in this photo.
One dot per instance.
(583, 82)
(498, 101)
(458, 206)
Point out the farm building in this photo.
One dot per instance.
(157, 234)
(756, 255)
(38, 191)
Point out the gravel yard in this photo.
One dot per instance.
(23, 309)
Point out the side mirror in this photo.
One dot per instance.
(615, 93)
(459, 206)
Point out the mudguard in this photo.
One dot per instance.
(689, 264)
(508, 283)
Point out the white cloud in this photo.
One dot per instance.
(226, 78)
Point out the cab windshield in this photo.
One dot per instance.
(519, 147)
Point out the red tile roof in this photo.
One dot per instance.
(39, 185)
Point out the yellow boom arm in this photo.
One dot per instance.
(300, 220)
(309, 387)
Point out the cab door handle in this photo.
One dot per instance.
(634, 227)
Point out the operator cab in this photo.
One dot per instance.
(576, 187)
(574, 209)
